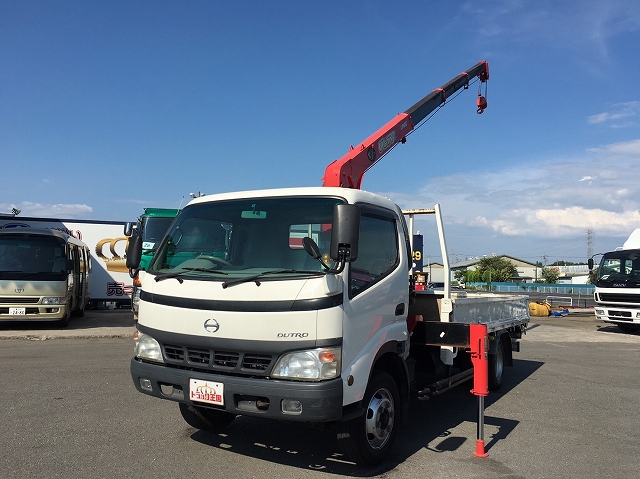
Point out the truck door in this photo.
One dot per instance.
(76, 290)
(377, 289)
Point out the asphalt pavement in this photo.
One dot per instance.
(96, 323)
(566, 410)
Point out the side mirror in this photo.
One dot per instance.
(590, 263)
(128, 229)
(311, 247)
(134, 252)
(345, 233)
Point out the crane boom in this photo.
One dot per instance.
(349, 170)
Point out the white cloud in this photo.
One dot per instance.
(587, 31)
(599, 118)
(562, 222)
(71, 211)
(555, 199)
(628, 111)
(622, 148)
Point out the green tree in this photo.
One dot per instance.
(496, 269)
(550, 275)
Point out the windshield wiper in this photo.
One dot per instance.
(256, 277)
(176, 274)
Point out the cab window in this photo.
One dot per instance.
(377, 252)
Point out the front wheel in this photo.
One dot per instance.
(64, 321)
(205, 418)
(628, 328)
(367, 439)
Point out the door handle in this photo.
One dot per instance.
(400, 309)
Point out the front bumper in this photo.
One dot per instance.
(321, 401)
(618, 315)
(35, 312)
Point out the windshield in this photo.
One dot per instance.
(153, 230)
(228, 240)
(620, 267)
(37, 257)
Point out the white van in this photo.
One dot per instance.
(44, 275)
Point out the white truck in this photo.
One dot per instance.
(299, 304)
(110, 280)
(617, 293)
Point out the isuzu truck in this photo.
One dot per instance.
(617, 293)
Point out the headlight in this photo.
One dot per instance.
(147, 348)
(309, 365)
(54, 300)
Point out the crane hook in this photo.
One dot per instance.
(482, 104)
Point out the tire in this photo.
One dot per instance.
(628, 328)
(367, 439)
(78, 313)
(496, 366)
(205, 418)
(64, 321)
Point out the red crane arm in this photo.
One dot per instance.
(349, 170)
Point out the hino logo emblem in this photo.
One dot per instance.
(211, 326)
(19, 290)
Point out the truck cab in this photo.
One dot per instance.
(265, 328)
(617, 293)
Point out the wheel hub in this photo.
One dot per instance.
(380, 419)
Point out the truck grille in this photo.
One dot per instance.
(20, 300)
(227, 361)
(619, 298)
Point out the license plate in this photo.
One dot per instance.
(17, 311)
(206, 391)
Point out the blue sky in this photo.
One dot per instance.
(110, 107)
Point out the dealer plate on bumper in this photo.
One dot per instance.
(206, 391)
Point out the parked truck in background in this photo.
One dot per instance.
(617, 293)
(298, 304)
(150, 227)
(110, 279)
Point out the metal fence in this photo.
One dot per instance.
(579, 289)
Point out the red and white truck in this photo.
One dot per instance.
(298, 304)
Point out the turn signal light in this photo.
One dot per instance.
(326, 356)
